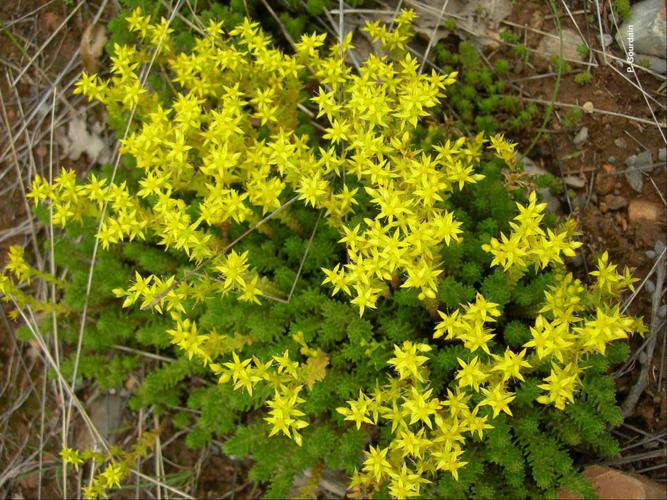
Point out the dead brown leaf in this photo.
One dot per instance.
(315, 369)
(92, 46)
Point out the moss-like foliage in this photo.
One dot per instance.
(448, 354)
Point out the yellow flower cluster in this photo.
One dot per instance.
(286, 377)
(16, 274)
(373, 127)
(469, 327)
(228, 138)
(429, 433)
(227, 141)
(118, 464)
(529, 243)
(18, 266)
(575, 322)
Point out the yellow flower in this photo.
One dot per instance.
(71, 456)
(404, 484)
(407, 361)
(607, 277)
(338, 279)
(471, 374)
(376, 462)
(476, 424)
(366, 297)
(357, 411)
(233, 269)
(560, 384)
(284, 416)
(456, 402)
(448, 460)
(510, 364)
(421, 407)
(313, 189)
(498, 398)
(112, 476)
(504, 149)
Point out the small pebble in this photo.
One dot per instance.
(662, 312)
(588, 107)
(645, 210)
(650, 254)
(662, 154)
(606, 40)
(581, 137)
(650, 286)
(620, 142)
(605, 182)
(575, 181)
(659, 246)
(615, 202)
(552, 201)
(644, 161)
(632, 173)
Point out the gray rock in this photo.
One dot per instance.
(636, 164)
(581, 137)
(529, 166)
(662, 154)
(549, 46)
(657, 64)
(620, 142)
(644, 161)
(662, 312)
(606, 40)
(615, 202)
(650, 286)
(552, 201)
(333, 484)
(635, 179)
(659, 247)
(494, 11)
(477, 18)
(646, 28)
(575, 181)
(106, 413)
(650, 254)
(612, 160)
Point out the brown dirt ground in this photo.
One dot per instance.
(609, 136)
(22, 424)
